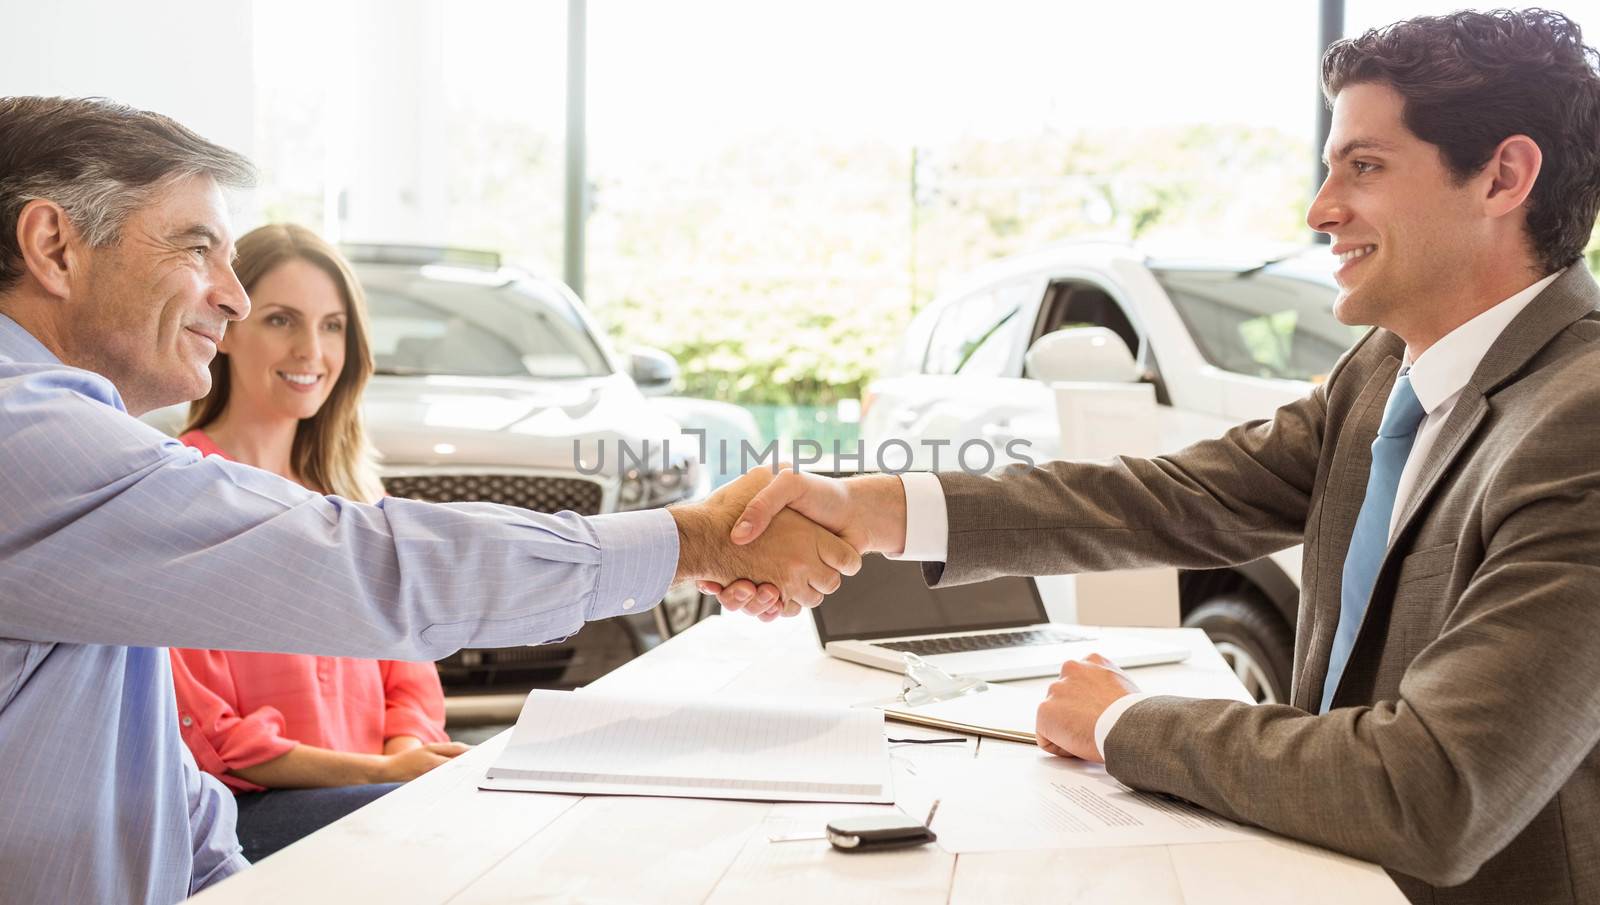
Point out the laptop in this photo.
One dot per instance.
(994, 630)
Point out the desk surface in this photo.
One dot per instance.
(440, 839)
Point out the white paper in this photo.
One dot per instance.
(597, 743)
(1043, 802)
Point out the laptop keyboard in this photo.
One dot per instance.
(922, 647)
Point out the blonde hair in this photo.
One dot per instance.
(331, 453)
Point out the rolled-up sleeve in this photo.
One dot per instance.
(220, 738)
(413, 701)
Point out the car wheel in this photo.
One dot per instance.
(1253, 639)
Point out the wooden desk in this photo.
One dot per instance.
(439, 839)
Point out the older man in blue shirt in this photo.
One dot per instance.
(115, 285)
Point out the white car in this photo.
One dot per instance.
(1223, 341)
(494, 385)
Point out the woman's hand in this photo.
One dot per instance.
(408, 765)
(401, 743)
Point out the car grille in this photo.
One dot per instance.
(601, 647)
(517, 668)
(540, 493)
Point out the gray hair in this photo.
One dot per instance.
(100, 161)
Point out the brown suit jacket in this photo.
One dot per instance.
(1461, 753)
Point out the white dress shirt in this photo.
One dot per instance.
(1438, 376)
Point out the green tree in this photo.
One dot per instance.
(782, 271)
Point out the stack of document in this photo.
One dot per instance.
(592, 743)
(1030, 800)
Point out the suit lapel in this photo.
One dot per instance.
(1447, 447)
(1572, 296)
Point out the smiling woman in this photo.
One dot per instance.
(286, 383)
(302, 739)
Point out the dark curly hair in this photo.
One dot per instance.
(1470, 80)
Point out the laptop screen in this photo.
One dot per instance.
(889, 598)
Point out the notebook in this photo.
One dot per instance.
(594, 743)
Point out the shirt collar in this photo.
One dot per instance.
(18, 345)
(1447, 365)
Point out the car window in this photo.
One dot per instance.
(1261, 324)
(429, 326)
(966, 327)
(1075, 303)
(996, 354)
(993, 354)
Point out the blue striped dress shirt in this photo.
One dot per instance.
(116, 541)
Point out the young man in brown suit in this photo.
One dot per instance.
(1445, 481)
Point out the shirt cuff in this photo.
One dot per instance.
(638, 559)
(1109, 716)
(927, 521)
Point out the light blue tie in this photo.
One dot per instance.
(1396, 435)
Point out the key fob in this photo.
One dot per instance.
(877, 833)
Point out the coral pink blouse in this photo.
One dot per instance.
(237, 709)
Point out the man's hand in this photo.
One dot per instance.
(1067, 717)
(868, 512)
(796, 559)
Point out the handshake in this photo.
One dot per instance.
(770, 544)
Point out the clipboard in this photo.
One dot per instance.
(933, 697)
(996, 712)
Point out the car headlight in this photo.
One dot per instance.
(632, 490)
(651, 488)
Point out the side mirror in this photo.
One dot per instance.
(1088, 354)
(653, 370)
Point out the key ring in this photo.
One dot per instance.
(926, 684)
